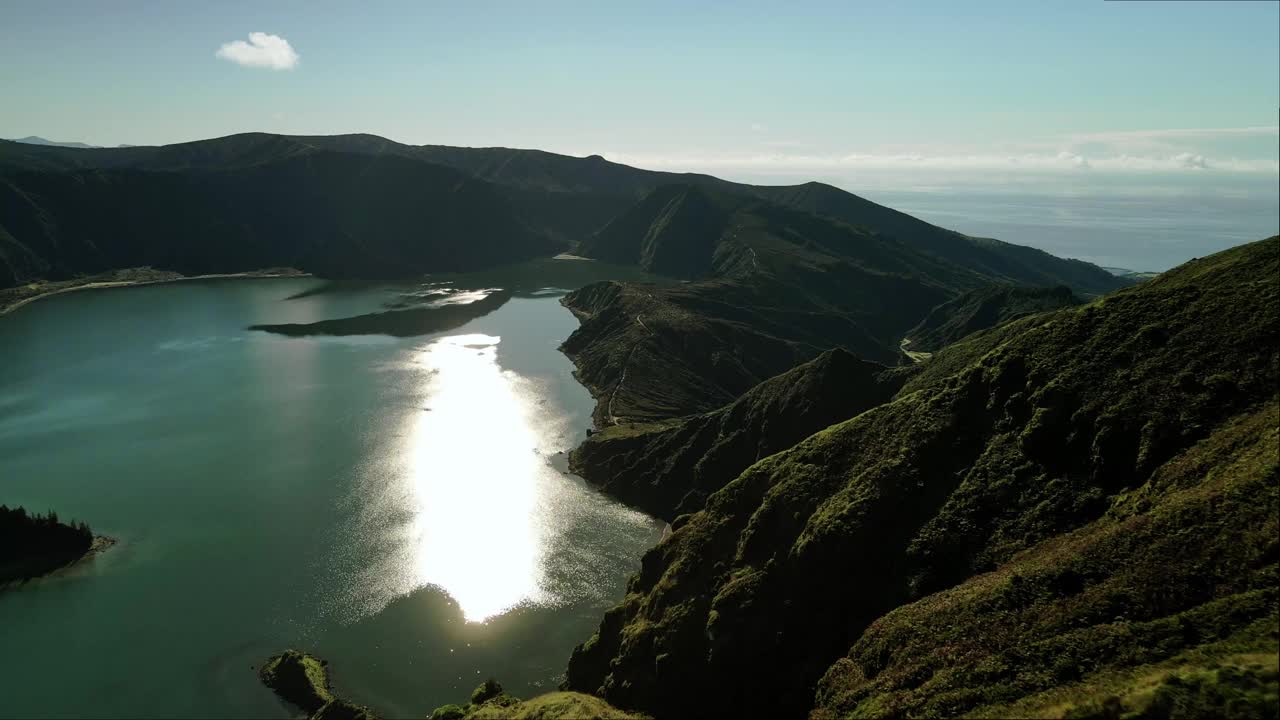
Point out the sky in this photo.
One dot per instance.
(869, 96)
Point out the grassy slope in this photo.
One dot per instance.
(673, 231)
(788, 285)
(1004, 261)
(669, 468)
(649, 353)
(1071, 422)
(559, 173)
(984, 308)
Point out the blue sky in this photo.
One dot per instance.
(751, 90)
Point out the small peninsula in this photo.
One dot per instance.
(32, 544)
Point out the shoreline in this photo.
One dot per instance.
(107, 284)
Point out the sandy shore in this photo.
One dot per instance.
(8, 305)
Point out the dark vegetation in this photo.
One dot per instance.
(985, 308)
(1075, 512)
(32, 544)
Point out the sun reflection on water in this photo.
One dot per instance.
(473, 477)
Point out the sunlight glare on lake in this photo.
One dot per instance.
(474, 480)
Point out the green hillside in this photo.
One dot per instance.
(652, 353)
(669, 468)
(1075, 508)
(984, 308)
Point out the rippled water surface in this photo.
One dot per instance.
(398, 505)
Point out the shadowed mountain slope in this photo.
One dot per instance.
(1088, 497)
(334, 214)
(673, 231)
(562, 199)
(984, 308)
(788, 285)
(669, 468)
(651, 353)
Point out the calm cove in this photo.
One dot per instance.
(396, 503)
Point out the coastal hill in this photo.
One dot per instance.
(1070, 512)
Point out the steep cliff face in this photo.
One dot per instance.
(669, 468)
(1118, 459)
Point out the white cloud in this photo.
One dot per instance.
(1176, 133)
(1074, 159)
(1191, 160)
(263, 50)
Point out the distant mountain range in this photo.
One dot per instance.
(37, 140)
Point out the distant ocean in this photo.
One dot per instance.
(1143, 222)
(1132, 226)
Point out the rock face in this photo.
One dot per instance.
(1080, 499)
(303, 680)
(669, 468)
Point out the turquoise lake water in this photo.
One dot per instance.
(397, 505)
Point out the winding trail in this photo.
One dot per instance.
(917, 356)
(613, 419)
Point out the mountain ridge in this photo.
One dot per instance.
(561, 197)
